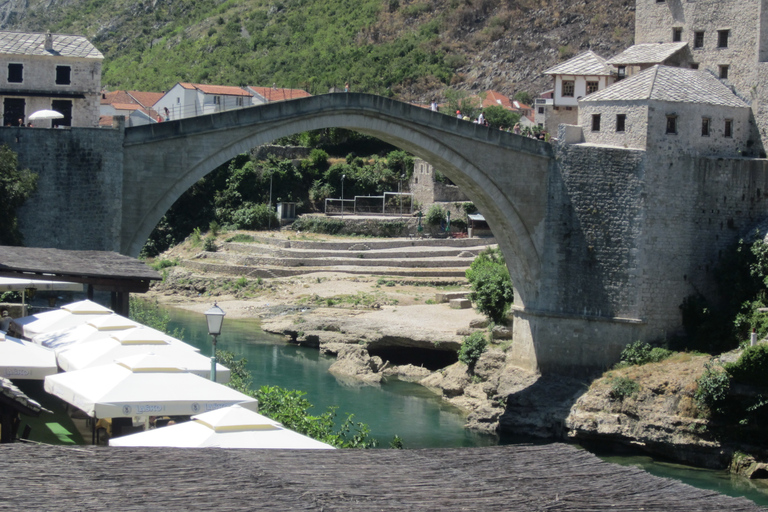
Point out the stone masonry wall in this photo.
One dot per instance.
(78, 201)
(635, 125)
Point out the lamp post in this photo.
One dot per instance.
(269, 221)
(400, 193)
(215, 318)
(342, 194)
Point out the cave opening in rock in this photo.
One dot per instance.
(428, 358)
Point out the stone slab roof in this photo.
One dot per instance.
(676, 85)
(588, 63)
(554, 477)
(646, 53)
(13, 397)
(26, 43)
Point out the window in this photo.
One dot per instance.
(568, 88)
(15, 73)
(723, 71)
(677, 34)
(705, 127)
(621, 73)
(698, 39)
(541, 110)
(722, 38)
(239, 101)
(671, 123)
(728, 131)
(621, 121)
(595, 122)
(694, 65)
(217, 100)
(592, 87)
(63, 75)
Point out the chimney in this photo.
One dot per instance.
(48, 41)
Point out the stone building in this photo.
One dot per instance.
(427, 190)
(638, 57)
(728, 38)
(575, 78)
(50, 72)
(668, 109)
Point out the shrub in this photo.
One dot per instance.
(492, 290)
(752, 366)
(623, 387)
(254, 216)
(164, 263)
(472, 348)
(712, 390)
(435, 215)
(209, 244)
(639, 353)
(240, 237)
(318, 225)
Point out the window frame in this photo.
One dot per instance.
(722, 71)
(706, 126)
(621, 123)
(595, 84)
(698, 39)
(728, 129)
(572, 84)
(722, 38)
(671, 128)
(59, 76)
(20, 72)
(596, 122)
(677, 34)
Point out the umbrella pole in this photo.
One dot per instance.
(94, 436)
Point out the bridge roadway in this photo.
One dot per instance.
(603, 244)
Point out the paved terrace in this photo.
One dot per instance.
(554, 477)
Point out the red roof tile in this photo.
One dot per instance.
(223, 90)
(279, 94)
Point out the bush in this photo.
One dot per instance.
(639, 353)
(492, 290)
(254, 216)
(209, 244)
(472, 348)
(241, 237)
(752, 366)
(712, 390)
(164, 263)
(321, 225)
(435, 215)
(623, 387)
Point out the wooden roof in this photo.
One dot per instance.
(553, 477)
(102, 269)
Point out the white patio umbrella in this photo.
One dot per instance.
(108, 350)
(102, 326)
(45, 114)
(229, 427)
(66, 317)
(20, 359)
(143, 385)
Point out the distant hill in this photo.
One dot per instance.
(407, 49)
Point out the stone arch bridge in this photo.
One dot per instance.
(602, 243)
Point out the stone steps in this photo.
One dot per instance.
(269, 272)
(422, 262)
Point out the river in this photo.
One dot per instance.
(421, 418)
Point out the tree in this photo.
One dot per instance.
(469, 106)
(491, 285)
(15, 187)
(500, 117)
(524, 97)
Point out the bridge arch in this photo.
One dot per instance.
(503, 174)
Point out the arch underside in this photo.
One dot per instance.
(197, 155)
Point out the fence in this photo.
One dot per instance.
(391, 203)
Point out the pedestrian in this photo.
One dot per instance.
(5, 323)
(433, 106)
(516, 130)
(458, 114)
(346, 87)
(21, 122)
(481, 119)
(167, 114)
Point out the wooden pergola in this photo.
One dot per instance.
(97, 270)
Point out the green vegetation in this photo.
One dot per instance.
(163, 263)
(751, 368)
(472, 348)
(712, 391)
(623, 387)
(435, 215)
(492, 290)
(15, 187)
(150, 314)
(639, 353)
(241, 238)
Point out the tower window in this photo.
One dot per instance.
(728, 130)
(677, 34)
(698, 39)
(705, 127)
(15, 73)
(724, 71)
(722, 38)
(595, 122)
(671, 123)
(621, 120)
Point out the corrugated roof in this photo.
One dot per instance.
(223, 90)
(666, 83)
(26, 43)
(279, 94)
(588, 63)
(646, 53)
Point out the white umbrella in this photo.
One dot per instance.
(143, 385)
(108, 350)
(45, 114)
(66, 317)
(15, 283)
(229, 427)
(20, 359)
(95, 331)
(95, 327)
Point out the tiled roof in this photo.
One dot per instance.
(646, 53)
(223, 90)
(105, 121)
(126, 106)
(496, 99)
(666, 83)
(141, 98)
(279, 94)
(26, 43)
(146, 99)
(588, 63)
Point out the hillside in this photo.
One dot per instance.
(408, 49)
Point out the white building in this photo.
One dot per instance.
(49, 72)
(189, 100)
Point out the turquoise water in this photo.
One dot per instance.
(421, 418)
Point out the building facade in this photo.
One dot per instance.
(49, 72)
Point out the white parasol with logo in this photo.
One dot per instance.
(41, 115)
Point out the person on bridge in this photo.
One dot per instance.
(458, 114)
(433, 106)
(346, 87)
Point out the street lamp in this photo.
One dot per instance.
(269, 221)
(215, 318)
(342, 194)
(400, 193)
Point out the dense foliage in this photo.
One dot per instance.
(623, 387)
(639, 353)
(492, 290)
(751, 367)
(15, 187)
(472, 348)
